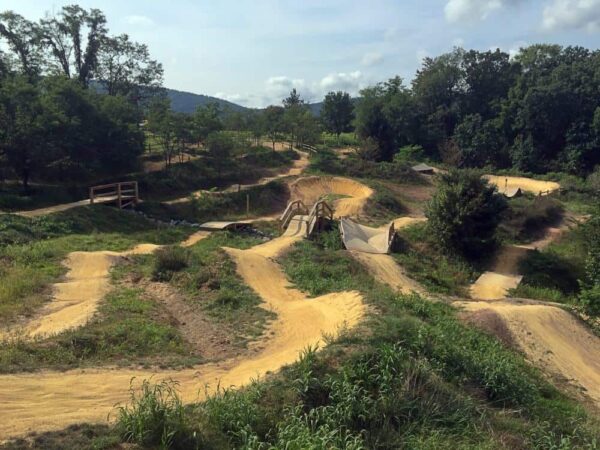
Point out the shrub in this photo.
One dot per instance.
(169, 260)
(464, 214)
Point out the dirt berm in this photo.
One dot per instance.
(354, 194)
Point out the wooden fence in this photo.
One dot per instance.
(124, 194)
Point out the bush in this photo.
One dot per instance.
(464, 214)
(156, 417)
(169, 260)
(527, 218)
(549, 270)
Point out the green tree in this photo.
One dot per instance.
(73, 55)
(373, 124)
(480, 142)
(161, 123)
(219, 147)
(206, 120)
(464, 213)
(22, 128)
(337, 113)
(125, 68)
(293, 117)
(24, 40)
(273, 122)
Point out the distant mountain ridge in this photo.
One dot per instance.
(187, 102)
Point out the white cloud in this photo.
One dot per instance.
(474, 10)
(371, 59)
(278, 87)
(139, 20)
(350, 82)
(234, 98)
(572, 14)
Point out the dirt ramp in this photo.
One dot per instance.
(507, 184)
(553, 340)
(312, 189)
(386, 270)
(365, 239)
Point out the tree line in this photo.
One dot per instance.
(536, 112)
(71, 96)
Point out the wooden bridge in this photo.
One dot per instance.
(124, 194)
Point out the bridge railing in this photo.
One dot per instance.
(293, 208)
(320, 210)
(124, 194)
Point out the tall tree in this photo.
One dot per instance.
(161, 123)
(22, 128)
(75, 53)
(206, 120)
(125, 68)
(24, 40)
(337, 112)
(273, 122)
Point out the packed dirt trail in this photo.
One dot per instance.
(62, 207)
(297, 168)
(503, 275)
(53, 400)
(552, 339)
(76, 299)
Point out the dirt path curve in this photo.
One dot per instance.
(504, 275)
(51, 400)
(553, 340)
(76, 299)
(507, 184)
(297, 168)
(312, 189)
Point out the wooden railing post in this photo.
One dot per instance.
(137, 192)
(119, 196)
(91, 196)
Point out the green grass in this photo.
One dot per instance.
(345, 140)
(268, 199)
(411, 376)
(210, 281)
(416, 252)
(553, 273)
(31, 258)
(129, 328)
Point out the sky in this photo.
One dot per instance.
(252, 52)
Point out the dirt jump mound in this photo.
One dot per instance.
(553, 340)
(354, 195)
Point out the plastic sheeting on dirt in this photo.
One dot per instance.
(366, 239)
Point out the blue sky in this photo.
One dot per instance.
(254, 52)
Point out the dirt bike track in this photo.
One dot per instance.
(49, 400)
